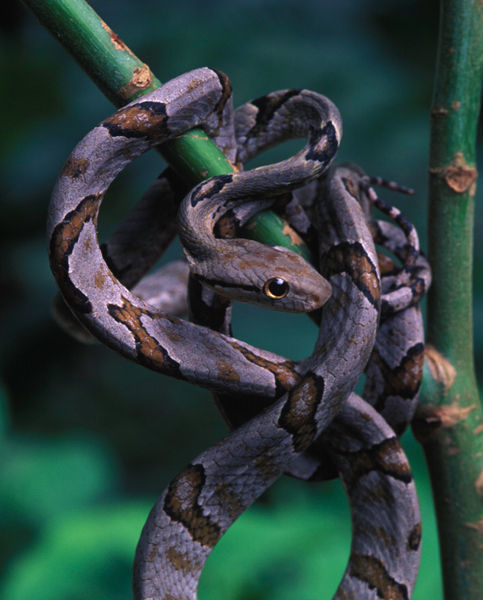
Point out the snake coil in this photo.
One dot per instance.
(311, 418)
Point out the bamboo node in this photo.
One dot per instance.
(460, 179)
(452, 414)
(141, 79)
(441, 369)
(431, 420)
(458, 175)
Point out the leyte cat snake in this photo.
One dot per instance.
(300, 418)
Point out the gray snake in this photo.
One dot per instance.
(214, 489)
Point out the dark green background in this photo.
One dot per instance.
(88, 439)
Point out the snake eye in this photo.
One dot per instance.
(276, 288)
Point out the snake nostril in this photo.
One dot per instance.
(276, 288)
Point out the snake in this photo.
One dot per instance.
(201, 503)
(394, 371)
(101, 302)
(218, 485)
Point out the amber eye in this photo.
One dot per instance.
(276, 288)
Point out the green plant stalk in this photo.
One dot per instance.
(122, 77)
(449, 419)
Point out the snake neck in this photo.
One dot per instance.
(210, 200)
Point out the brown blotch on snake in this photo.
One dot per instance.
(326, 147)
(181, 504)
(351, 188)
(64, 238)
(150, 352)
(284, 372)
(67, 232)
(414, 538)
(386, 265)
(224, 98)
(210, 189)
(181, 560)
(382, 457)
(374, 573)
(267, 106)
(418, 289)
(404, 380)
(351, 258)
(298, 412)
(75, 167)
(138, 121)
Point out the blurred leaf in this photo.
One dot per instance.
(43, 478)
(83, 556)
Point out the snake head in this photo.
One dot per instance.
(273, 277)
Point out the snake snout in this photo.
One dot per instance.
(318, 293)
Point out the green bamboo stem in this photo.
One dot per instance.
(449, 420)
(121, 76)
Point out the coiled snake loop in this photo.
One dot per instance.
(303, 399)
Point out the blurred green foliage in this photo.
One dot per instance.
(89, 440)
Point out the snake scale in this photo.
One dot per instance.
(311, 418)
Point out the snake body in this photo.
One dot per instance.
(97, 298)
(213, 490)
(250, 271)
(394, 370)
(360, 444)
